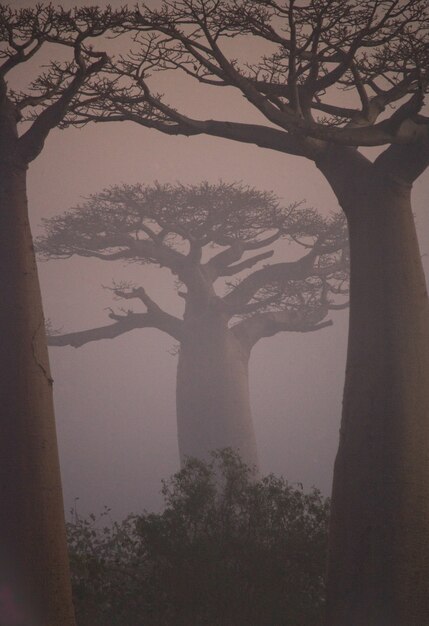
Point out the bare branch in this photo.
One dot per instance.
(231, 270)
(259, 326)
(242, 293)
(23, 32)
(321, 47)
(124, 323)
(32, 141)
(80, 338)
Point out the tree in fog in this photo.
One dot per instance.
(34, 572)
(227, 549)
(332, 78)
(209, 237)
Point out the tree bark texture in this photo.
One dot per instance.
(213, 407)
(378, 571)
(34, 571)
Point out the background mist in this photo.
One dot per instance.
(115, 400)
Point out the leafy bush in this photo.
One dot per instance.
(229, 549)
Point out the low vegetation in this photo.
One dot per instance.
(228, 549)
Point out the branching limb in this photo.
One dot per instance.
(80, 338)
(23, 32)
(242, 293)
(406, 162)
(154, 317)
(171, 122)
(140, 294)
(231, 270)
(220, 261)
(123, 324)
(352, 47)
(252, 329)
(32, 141)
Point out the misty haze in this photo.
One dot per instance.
(197, 198)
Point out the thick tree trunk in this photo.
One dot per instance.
(378, 572)
(213, 409)
(34, 572)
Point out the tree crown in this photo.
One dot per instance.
(375, 52)
(45, 100)
(205, 233)
(169, 216)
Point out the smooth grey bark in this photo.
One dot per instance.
(378, 572)
(213, 406)
(34, 569)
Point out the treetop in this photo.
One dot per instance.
(204, 233)
(168, 216)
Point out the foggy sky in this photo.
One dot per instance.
(115, 399)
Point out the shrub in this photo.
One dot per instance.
(228, 549)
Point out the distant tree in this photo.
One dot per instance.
(227, 550)
(207, 235)
(34, 574)
(333, 78)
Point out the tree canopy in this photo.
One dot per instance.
(46, 97)
(206, 233)
(375, 52)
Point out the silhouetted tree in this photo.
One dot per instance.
(206, 235)
(227, 550)
(34, 575)
(333, 77)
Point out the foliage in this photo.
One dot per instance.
(228, 549)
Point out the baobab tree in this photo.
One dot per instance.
(207, 236)
(34, 574)
(334, 78)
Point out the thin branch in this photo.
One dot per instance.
(32, 141)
